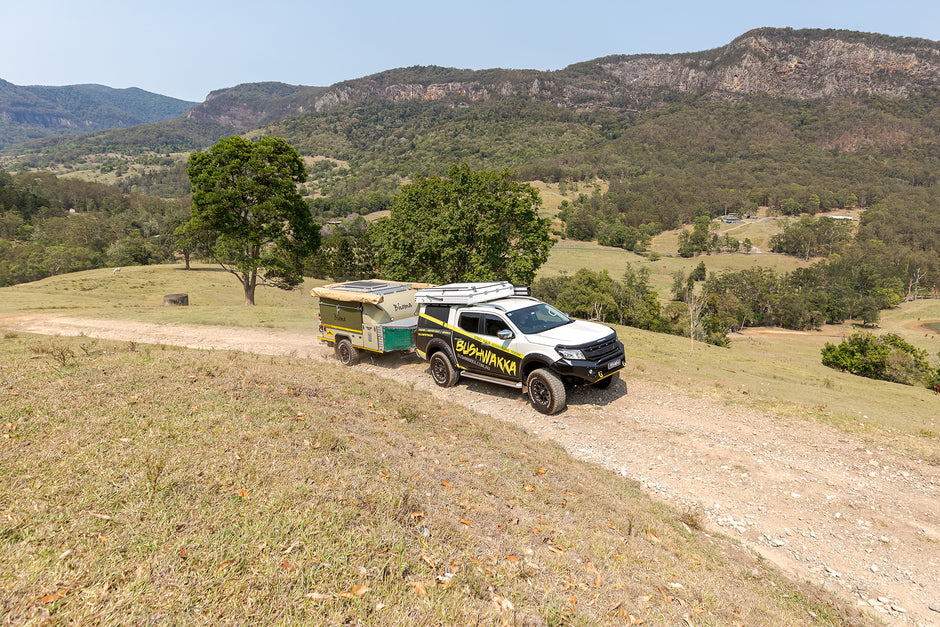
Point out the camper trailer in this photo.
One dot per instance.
(375, 315)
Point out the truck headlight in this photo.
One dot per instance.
(570, 353)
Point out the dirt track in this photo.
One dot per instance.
(824, 506)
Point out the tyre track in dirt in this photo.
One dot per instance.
(823, 505)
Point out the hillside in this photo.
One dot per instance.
(210, 487)
(793, 121)
(32, 112)
(425, 481)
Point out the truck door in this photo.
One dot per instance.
(478, 348)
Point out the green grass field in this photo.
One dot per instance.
(568, 256)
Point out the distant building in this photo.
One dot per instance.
(332, 223)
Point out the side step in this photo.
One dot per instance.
(482, 377)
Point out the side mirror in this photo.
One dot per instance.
(505, 334)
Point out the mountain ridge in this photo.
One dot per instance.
(38, 111)
(807, 64)
(779, 62)
(804, 64)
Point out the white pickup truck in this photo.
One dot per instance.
(497, 332)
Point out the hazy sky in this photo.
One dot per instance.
(187, 48)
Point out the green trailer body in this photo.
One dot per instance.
(377, 316)
(341, 316)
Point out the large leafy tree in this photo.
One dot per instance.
(245, 200)
(469, 226)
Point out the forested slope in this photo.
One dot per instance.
(33, 112)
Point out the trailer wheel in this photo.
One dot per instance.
(347, 353)
(546, 391)
(442, 371)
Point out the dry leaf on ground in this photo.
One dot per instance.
(55, 596)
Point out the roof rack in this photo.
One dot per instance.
(468, 293)
(370, 287)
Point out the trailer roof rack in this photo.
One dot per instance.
(371, 287)
(372, 291)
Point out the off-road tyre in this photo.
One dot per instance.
(442, 371)
(546, 391)
(347, 353)
(606, 382)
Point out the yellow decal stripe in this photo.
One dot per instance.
(474, 337)
(330, 326)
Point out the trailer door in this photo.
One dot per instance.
(341, 316)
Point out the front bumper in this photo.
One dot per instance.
(589, 371)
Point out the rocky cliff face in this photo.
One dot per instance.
(245, 107)
(777, 62)
(769, 62)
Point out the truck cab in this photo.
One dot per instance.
(496, 332)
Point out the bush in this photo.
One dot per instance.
(888, 358)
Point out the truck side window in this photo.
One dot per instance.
(470, 322)
(493, 325)
(438, 312)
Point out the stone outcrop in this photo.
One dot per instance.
(777, 62)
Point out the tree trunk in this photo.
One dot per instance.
(249, 282)
(176, 300)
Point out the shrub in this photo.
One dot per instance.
(887, 357)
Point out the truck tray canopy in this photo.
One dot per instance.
(404, 323)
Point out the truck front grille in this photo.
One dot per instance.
(603, 350)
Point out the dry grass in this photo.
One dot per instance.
(776, 369)
(780, 371)
(141, 484)
(136, 293)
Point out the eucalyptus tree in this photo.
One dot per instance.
(470, 226)
(253, 220)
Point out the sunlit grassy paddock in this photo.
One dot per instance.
(136, 293)
(781, 371)
(569, 256)
(775, 368)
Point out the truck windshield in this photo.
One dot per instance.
(537, 318)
